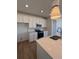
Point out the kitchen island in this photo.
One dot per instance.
(48, 48)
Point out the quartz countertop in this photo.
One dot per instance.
(52, 47)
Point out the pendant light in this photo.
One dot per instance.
(55, 12)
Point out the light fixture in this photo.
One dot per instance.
(55, 12)
(26, 6)
(42, 11)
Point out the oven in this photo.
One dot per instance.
(40, 34)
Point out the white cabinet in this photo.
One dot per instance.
(43, 23)
(32, 23)
(22, 37)
(20, 18)
(32, 20)
(45, 33)
(38, 20)
(26, 18)
(32, 36)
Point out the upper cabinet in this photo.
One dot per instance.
(26, 18)
(32, 20)
(43, 22)
(20, 18)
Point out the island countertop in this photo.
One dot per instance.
(52, 47)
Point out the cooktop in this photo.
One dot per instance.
(55, 37)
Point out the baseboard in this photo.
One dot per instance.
(22, 41)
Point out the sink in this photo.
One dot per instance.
(55, 37)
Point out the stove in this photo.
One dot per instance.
(40, 33)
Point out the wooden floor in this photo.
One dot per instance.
(26, 50)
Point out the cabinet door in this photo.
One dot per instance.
(32, 36)
(20, 18)
(43, 23)
(26, 18)
(45, 33)
(41, 53)
(40, 21)
(32, 22)
(36, 21)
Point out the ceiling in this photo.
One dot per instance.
(35, 7)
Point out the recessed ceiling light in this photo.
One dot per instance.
(26, 6)
(42, 11)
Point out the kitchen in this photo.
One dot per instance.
(30, 24)
(34, 25)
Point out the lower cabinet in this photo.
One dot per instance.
(45, 33)
(32, 36)
(22, 37)
(41, 54)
